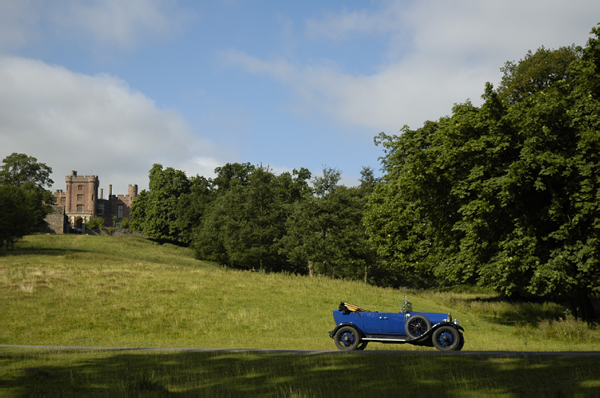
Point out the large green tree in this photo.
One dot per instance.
(154, 212)
(535, 72)
(243, 223)
(230, 175)
(192, 206)
(24, 201)
(504, 195)
(324, 232)
(17, 214)
(18, 169)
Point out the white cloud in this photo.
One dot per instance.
(117, 22)
(17, 23)
(106, 23)
(339, 27)
(398, 94)
(93, 124)
(279, 69)
(439, 53)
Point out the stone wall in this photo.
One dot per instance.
(57, 221)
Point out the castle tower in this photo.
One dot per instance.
(132, 192)
(81, 197)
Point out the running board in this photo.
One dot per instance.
(383, 339)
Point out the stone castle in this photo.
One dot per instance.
(80, 202)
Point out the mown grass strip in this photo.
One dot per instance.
(41, 372)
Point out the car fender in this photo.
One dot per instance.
(436, 326)
(455, 326)
(334, 331)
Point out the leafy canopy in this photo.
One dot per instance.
(504, 195)
(18, 169)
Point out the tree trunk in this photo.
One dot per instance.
(582, 308)
(311, 268)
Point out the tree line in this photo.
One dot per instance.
(249, 218)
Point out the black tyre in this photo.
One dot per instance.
(446, 338)
(362, 345)
(462, 342)
(417, 326)
(347, 338)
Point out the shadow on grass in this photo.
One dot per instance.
(516, 312)
(139, 251)
(213, 373)
(33, 251)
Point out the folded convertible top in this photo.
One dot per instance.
(347, 307)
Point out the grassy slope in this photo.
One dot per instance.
(127, 291)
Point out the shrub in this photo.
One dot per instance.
(95, 223)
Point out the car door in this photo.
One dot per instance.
(393, 323)
(382, 323)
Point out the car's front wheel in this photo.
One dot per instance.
(447, 338)
(347, 338)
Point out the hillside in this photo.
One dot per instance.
(127, 291)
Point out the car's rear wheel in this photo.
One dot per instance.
(347, 338)
(447, 338)
(417, 326)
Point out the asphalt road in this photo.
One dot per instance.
(312, 352)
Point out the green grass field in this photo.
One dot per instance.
(127, 291)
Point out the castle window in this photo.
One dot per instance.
(79, 198)
(63, 200)
(79, 208)
(120, 211)
(80, 187)
(100, 208)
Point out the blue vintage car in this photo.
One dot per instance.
(356, 327)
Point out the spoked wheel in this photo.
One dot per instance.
(446, 338)
(416, 326)
(347, 338)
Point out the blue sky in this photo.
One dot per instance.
(111, 87)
